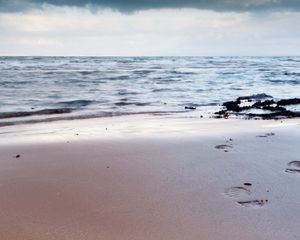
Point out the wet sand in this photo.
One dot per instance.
(150, 178)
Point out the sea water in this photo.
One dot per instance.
(54, 88)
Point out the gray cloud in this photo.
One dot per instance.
(135, 5)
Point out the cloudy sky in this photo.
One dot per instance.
(149, 27)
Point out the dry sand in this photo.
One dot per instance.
(150, 178)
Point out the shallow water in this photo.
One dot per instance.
(33, 88)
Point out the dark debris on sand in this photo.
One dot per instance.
(270, 108)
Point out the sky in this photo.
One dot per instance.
(150, 27)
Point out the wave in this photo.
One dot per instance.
(124, 103)
(289, 82)
(67, 107)
(76, 103)
(5, 115)
(292, 74)
(87, 116)
(16, 82)
(126, 92)
(162, 90)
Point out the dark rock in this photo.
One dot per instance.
(285, 102)
(233, 106)
(259, 96)
(276, 108)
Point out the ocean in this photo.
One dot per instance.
(36, 89)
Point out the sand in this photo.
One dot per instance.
(150, 178)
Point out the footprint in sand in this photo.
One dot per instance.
(294, 167)
(266, 135)
(226, 146)
(253, 203)
(237, 191)
(242, 193)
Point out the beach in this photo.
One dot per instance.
(149, 120)
(150, 177)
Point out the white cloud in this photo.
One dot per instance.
(77, 31)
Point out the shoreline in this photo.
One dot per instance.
(189, 124)
(150, 177)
